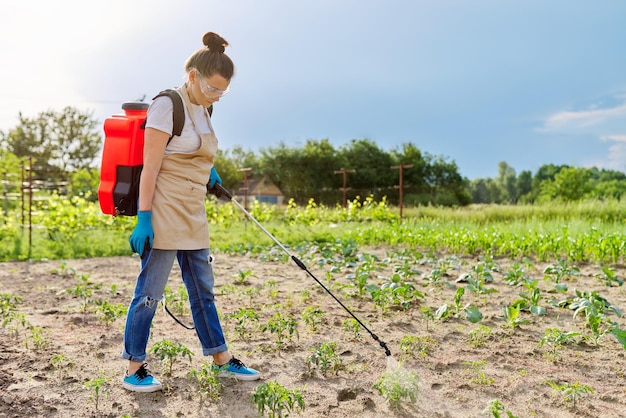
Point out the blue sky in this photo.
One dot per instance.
(476, 81)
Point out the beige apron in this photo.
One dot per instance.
(178, 212)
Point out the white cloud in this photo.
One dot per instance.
(576, 120)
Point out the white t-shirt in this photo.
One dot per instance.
(160, 117)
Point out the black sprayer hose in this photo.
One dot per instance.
(219, 191)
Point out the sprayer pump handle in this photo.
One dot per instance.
(219, 191)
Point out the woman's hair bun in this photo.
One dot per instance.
(214, 42)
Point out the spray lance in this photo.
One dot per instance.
(219, 191)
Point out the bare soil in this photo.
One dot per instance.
(456, 378)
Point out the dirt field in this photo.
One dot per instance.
(43, 374)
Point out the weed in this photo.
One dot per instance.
(277, 399)
(169, 352)
(413, 346)
(478, 337)
(477, 372)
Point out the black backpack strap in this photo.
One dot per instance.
(178, 115)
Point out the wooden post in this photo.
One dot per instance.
(245, 185)
(401, 186)
(344, 188)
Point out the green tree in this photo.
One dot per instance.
(372, 165)
(59, 142)
(446, 185)
(506, 182)
(524, 186)
(570, 184)
(228, 163)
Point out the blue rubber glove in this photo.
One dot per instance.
(142, 237)
(214, 177)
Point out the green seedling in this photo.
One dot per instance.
(359, 279)
(108, 312)
(609, 277)
(168, 352)
(61, 365)
(242, 277)
(472, 313)
(516, 275)
(36, 340)
(554, 339)
(530, 302)
(209, 384)
(398, 385)
(477, 372)
(277, 400)
(177, 302)
(428, 314)
(571, 392)
(96, 385)
(283, 327)
(413, 346)
(478, 337)
(352, 327)
(244, 317)
(476, 284)
(512, 316)
(325, 359)
(563, 270)
(83, 291)
(497, 410)
(313, 317)
(272, 288)
(10, 315)
(595, 308)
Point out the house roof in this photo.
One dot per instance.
(261, 187)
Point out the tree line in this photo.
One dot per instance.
(66, 146)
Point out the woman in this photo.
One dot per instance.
(171, 220)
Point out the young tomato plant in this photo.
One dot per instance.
(169, 353)
(325, 359)
(277, 400)
(209, 384)
(313, 317)
(283, 327)
(398, 385)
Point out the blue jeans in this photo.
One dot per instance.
(198, 277)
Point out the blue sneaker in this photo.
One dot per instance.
(141, 381)
(237, 370)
